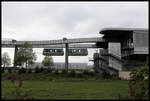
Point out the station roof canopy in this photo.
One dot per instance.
(119, 34)
(116, 31)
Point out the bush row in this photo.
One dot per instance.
(70, 73)
(63, 72)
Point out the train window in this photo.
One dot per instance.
(79, 50)
(46, 50)
(74, 50)
(59, 50)
(53, 52)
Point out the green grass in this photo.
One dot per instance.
(68, 88)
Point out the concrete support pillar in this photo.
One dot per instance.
(96, 62)
(66, 56)
(16, 49)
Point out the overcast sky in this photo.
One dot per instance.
(55, 20)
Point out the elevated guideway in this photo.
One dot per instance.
(55, 43)
(56, 46)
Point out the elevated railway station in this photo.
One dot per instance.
(126, 48)
(121, 48)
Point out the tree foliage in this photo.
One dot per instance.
(25, 55)
(138, 84)
(48, 61)
(6, 61)
(140, 72)
(140, 79)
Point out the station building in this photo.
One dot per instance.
(123, 50)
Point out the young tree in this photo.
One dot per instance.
(6, 61)
(25, 55)
(48, 61)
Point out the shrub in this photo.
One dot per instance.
(9, 70)
(72, 73)
(139, 79)
(56, 72)
(19, 71)
(29, 70)
(2, 70)
(22, 70)
(79, 75)
(91, 73)
(45, 71)
(96, 71)
(140, 73)
(17, 93)
(42, 69)
(85, 72)
(49, 70)
(63, 71)
(37, 70)
(115, 77)
(138, 91)
(106, 75)
(139, 84)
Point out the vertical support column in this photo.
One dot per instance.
(147, 60)
(66, 56)
(16, 49)
(96, 62)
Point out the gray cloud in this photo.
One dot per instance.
(83, 19)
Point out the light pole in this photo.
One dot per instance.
(16, 49)
(66, 53)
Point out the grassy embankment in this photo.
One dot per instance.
(50, 86)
